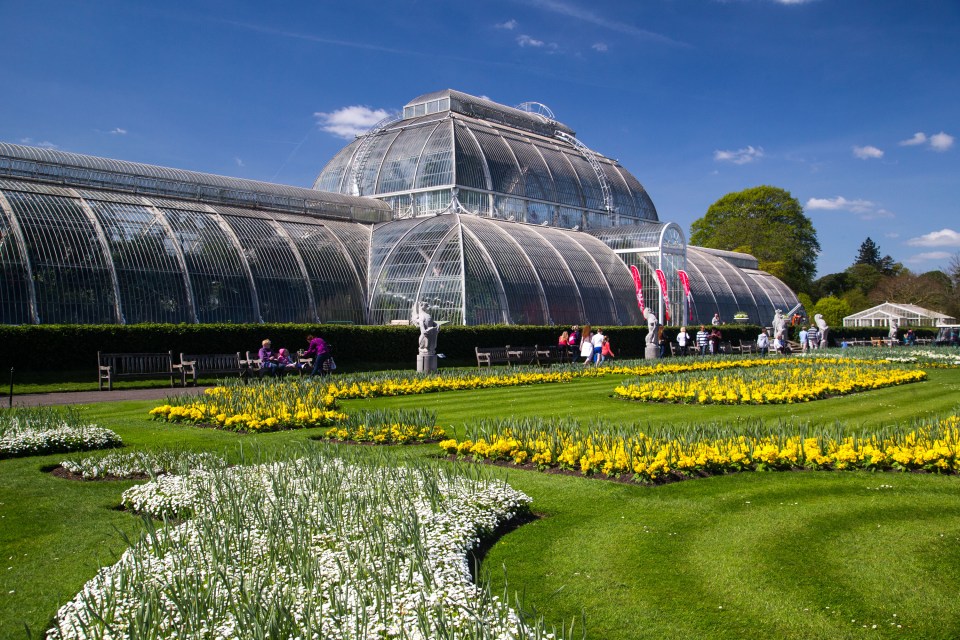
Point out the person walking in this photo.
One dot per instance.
(813, 337)
(597, 340)
(683, 340)
(606, 351)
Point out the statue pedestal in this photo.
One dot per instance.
(652, 352)
(426, 363)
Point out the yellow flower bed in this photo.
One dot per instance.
(934, 446)
(792, 380)
(255, 408)
(395, 433)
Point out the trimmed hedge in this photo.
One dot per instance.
(74, 347)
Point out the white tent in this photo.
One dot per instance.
(906, 315)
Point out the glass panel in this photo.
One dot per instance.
(567, 185)
(523, 294)
(474, 202)
(221, 290)
(556, 279)
(431, 202)
(148, 272)
(442, 284)
(403, 269)
(335, 176)
(570, 218)
(436, 165)
(375, 154)
(509, 209)
(339, 290)
(71, 275)
(486, 303)
(470, 160)
(281, 289)
(399, 166)
(503, 167)
(537, 181)
(14, 285)
(540, 212)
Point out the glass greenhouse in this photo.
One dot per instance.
(114, 248)
(455, 152)
(487, 213)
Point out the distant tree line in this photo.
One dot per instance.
(769, 223)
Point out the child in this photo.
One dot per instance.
(606, 351)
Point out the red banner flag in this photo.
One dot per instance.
(638, 284)
(662, 279)
(685, 281)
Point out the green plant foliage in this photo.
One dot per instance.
(768, 223)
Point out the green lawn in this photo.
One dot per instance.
(787, 555)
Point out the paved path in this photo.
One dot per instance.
(90, 397)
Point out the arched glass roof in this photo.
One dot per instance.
(500, 161)
(720, 286)
(84, 256)
(73, 169)
(472, 270)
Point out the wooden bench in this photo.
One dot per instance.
(121, 366)
(546, 356)
(193, 365)
(521, 355)
(491, 355)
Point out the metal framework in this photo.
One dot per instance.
(452, 151)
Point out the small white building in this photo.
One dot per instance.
(906, 315)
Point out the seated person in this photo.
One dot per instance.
(285, 363)
(268, 359)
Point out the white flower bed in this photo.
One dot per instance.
(315, 548)
(29, 433)
(132, 464)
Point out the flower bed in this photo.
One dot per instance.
(271, 406)
(388, 427)
(139, 464)
(312, 548)
(32, 432)
(788, 381)
(614, 450)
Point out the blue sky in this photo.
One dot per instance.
(851, 105)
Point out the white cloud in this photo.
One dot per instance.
(929, 256)
(350, 122)
(918, 138)
(941, 141)
(867, 153)
(599, 46)
(43, 145)
(938, 141)
(864, 209)
(740, 156)
(509, 25)
(118, 132)
(942, 238)
(239, 162)
(526, 41)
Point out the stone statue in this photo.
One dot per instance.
(652, 325)
(428, 329)
(894, 327)
(824, 329)
(779, 325)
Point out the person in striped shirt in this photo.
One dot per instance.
(703, 340)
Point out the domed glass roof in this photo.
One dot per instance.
(455, 152)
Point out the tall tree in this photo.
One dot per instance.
(768, 223)
(869, 253)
